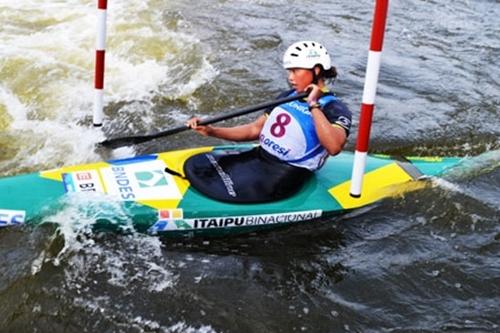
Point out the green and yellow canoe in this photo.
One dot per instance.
(137, 193)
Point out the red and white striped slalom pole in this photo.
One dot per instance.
(369, 92)
(99, 62)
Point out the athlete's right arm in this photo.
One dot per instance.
(246, 132)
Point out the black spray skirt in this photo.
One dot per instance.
(252, 176)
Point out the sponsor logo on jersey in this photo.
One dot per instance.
(265, 141)
(301, 107)
(344, 122)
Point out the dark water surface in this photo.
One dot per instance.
(424, 262)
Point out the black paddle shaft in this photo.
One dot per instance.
(130, 140)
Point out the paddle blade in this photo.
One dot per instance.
(132, 140)
(124, 141)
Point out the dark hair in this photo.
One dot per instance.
(328, 75)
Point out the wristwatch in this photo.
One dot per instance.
(314, 105)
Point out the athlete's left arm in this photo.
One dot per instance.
(331, 137)
(332, 126)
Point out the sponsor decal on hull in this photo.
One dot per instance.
(83, 181)
(234, 221)
(11, 217)
(169, 219)
(128, 182)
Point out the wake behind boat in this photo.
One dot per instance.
(138, 192)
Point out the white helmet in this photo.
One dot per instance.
(306, 54)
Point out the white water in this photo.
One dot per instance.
(46, 95)
(102, 275)
(46, 75)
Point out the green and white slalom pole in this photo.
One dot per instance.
(369, 92)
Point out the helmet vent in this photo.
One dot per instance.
(294, 54)
(298, 48)
(305, 44)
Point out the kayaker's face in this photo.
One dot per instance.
(300, 78)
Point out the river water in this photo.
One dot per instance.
(424, 262)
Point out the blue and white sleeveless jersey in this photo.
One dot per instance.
(290, 135)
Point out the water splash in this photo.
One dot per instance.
(87, 255)
(47, 68)
(473, 167)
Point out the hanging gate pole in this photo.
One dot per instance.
(369, 92)
(99, 62)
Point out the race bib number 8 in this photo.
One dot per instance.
(278, 128)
